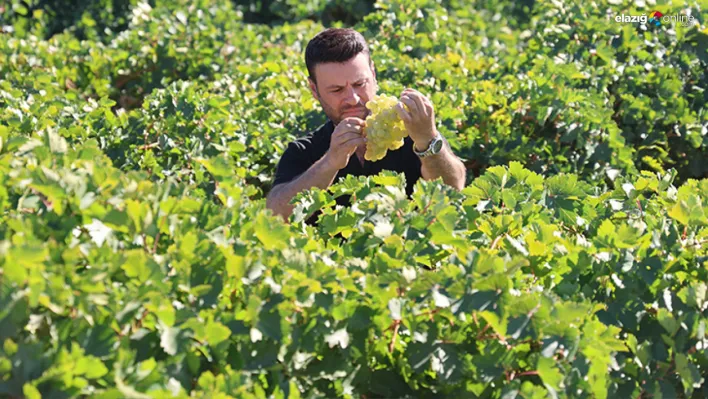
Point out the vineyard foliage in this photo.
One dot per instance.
(138, 141)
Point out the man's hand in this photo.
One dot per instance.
(419, 119)
(347, 136)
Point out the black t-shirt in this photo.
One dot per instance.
(305, 151)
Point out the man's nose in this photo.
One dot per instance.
(352, 98)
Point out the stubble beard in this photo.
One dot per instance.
(336, 116)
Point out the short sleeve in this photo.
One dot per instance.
(296, 159)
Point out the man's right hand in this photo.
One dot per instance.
(347, 136)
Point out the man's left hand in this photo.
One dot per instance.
(419, 118)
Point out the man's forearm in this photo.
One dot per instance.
(447, 165)
(320, 174)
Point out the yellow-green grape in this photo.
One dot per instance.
(384, 128)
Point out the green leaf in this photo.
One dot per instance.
(495, 322)
(219, 167)
(666, 319)
(91, 367)
(551, 376)
(694, 294)
(271, 234)
(689, 211)
(216, 333)
(690, 376)
(30, 391)
(137, 265)
(54, 194)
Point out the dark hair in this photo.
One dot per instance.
(334, 45)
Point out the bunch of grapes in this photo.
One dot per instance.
(384, 128)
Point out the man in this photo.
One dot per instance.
(343, 79)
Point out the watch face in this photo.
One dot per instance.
(437, 146)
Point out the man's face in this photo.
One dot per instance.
(343, 89)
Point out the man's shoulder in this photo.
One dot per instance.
(302, 152)
(314, 138)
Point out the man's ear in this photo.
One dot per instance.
(313, 88)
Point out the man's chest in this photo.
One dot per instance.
(398, 161)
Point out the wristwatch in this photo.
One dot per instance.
(433, 148)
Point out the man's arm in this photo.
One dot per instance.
(419, 117)
(445, 164)
(321, 174)
(346, 137)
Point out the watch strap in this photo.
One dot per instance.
(431, 146)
